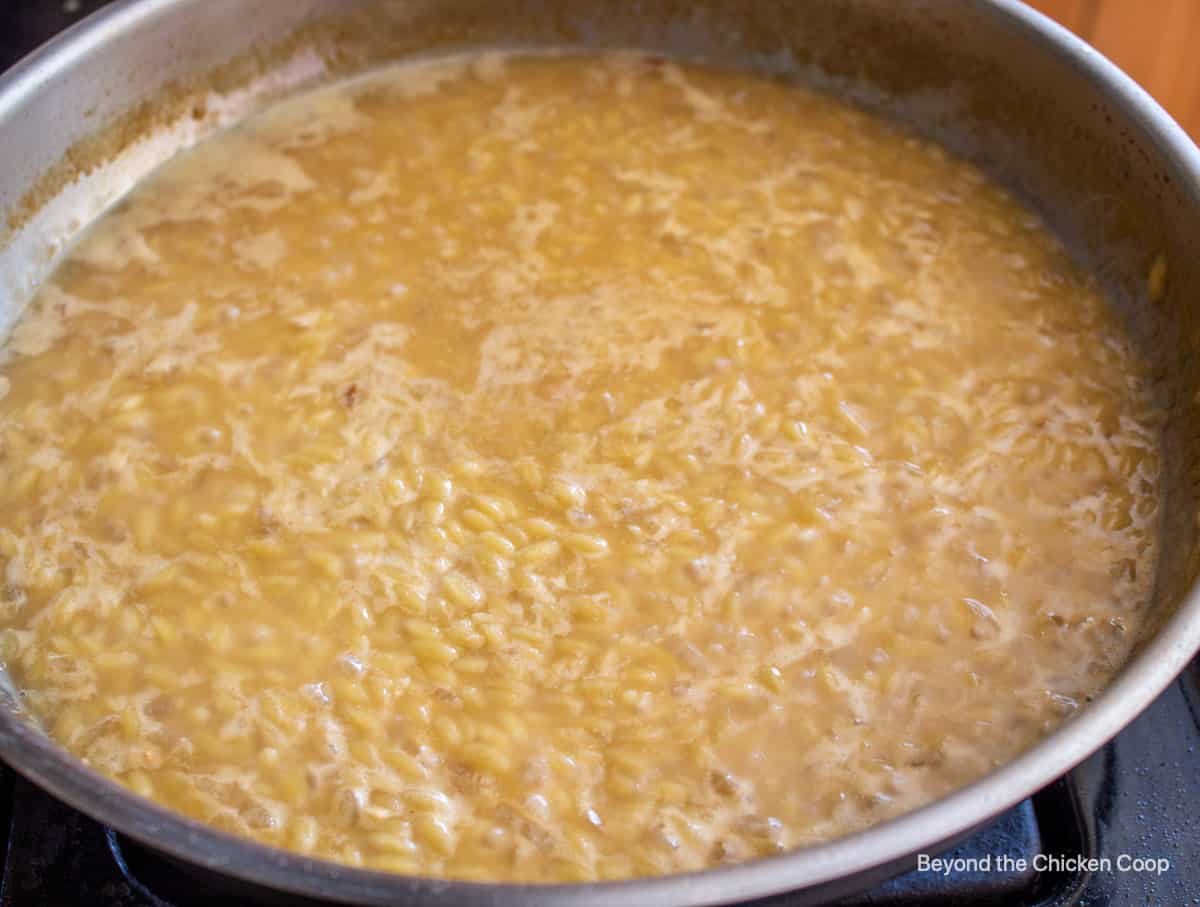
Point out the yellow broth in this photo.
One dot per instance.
(567, 467)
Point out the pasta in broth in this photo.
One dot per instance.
(558, 467)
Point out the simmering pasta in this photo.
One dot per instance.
(567, 467)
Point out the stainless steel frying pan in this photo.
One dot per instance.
(91, 112)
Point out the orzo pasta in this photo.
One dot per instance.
(567, 467)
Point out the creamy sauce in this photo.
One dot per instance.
(560, 468)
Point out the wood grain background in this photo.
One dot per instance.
(1155, 41)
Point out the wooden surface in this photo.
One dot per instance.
(1155, 41)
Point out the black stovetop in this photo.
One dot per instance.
(1138, 799)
